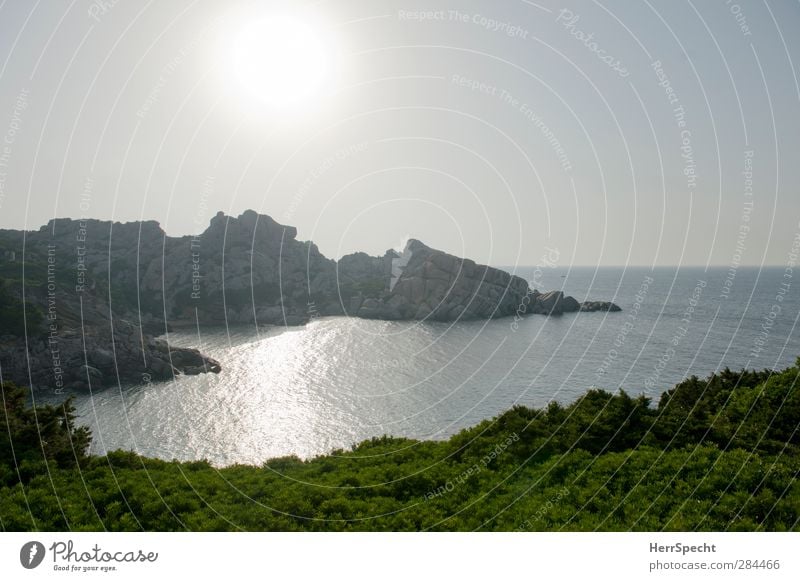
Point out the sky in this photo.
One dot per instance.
(593, 133)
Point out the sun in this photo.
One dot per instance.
(281, 61)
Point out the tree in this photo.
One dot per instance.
(40, 433)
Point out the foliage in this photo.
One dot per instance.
(32, 436)
(13, 313)
(715, 454)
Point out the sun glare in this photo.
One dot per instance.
(281, 62)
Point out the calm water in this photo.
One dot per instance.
(337, 381)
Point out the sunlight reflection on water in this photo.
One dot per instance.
(337, 381)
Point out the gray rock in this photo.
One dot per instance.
(442, 287)
(91, 372)
(570, 305)
(161, 369)
(592, 306)
(551, 302)
(134, 282)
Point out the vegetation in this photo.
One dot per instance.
(715, 454)
(13, 312)
(29, 436)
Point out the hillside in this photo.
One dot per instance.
(720, 453)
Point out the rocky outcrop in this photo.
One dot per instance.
(592, 306)
(117, 287)
(71, 360)
(432, 285)
(555, 303)
(427, 284)
(246, 270)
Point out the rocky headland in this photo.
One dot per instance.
(97, 294)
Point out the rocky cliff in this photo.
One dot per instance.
(427, 284)
(99, 293)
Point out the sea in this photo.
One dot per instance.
(306, 391)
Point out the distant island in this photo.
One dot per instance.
(98, 294)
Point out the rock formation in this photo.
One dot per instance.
(427, 284)
(102, 292)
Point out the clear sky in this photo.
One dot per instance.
(616, 132)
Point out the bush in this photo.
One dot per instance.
(36, 435)
(719, 453)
